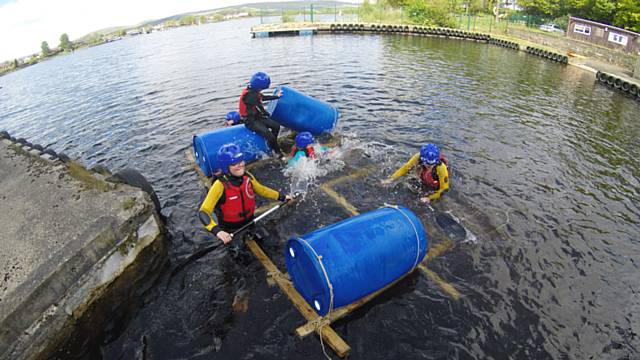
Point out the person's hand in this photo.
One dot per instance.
(224, 236)
(288, 197)
(280, 93)
(425, 200)
(386, 182)
(228, 123)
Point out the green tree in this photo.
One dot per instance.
(45, 49)
(203, 19)
(628, 15)
(541, 7)
(603, 11)
(434, 12)
(187, 20)
(65, 44)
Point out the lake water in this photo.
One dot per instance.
(546, 175)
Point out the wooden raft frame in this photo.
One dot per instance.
(315, 323)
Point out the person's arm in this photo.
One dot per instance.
(265, 191)
(270, 97)
(443, 180)
(208, 205)
(406, 167)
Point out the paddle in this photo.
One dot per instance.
(204, 251)
(449, 225)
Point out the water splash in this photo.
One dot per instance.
(304, 172)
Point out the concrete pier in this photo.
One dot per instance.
(67, 235)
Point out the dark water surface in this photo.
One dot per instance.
(546, 174)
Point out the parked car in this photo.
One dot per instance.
(551, 28)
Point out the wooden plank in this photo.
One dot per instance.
(203, 179)
(445, 286)
(328, 189)
(329, 336)
(437, 249)
(340, 200)
(343, 311)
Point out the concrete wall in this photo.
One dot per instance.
(67, 236)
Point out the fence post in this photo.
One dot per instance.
(311, 15)
(636, 71)
(491, 24)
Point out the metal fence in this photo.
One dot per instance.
(389, 15)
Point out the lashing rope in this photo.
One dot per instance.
(321, 322)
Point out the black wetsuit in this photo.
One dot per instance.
(258, 120)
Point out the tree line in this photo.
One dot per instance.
(65, 45)
(621, 13)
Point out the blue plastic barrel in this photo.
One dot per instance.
(205, 146)
(358, 256)
(300, 112)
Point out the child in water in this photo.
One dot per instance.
(304, 147)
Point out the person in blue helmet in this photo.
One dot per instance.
(305, 146)
(431, 168)
(232, 118)
(253, 113)
(232, 196)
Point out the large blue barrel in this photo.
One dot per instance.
(300, 112)
(358, 256)
(205, 146)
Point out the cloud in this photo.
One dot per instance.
(25, 24)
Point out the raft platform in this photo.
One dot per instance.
(321, 325)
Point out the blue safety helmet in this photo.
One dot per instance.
(228, 155)
(233, 115)
(304, 139)
(429, 154)
(260, 81)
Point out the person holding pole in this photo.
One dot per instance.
(232, 196)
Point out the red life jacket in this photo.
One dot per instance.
(430, 178)
(242, 108)
(308, 151)
(239, 202)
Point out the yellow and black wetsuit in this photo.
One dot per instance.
(441, 175)
(216, 196)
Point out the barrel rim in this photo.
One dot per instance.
(197, 139)
(306, 252)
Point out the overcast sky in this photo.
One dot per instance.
(25, 24)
